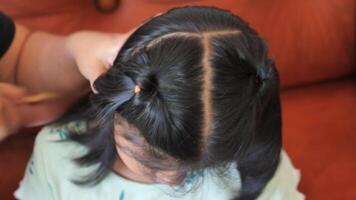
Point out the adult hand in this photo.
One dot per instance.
(15, 114)
(94, 52)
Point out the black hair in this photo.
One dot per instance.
(209, 96)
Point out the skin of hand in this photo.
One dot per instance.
(9, 113)
(41, 62)
(94, 52)
(14, 114)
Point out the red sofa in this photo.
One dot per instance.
(313, 43)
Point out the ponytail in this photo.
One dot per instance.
(260, 160)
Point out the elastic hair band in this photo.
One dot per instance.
(137, 88)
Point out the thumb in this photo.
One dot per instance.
(3, 128)
(42, 113)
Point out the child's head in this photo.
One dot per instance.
(206, 95)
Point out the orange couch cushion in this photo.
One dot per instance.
(311, 40)
(319, 124)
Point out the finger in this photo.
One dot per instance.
(110, 60)
(13, 119)
(3, 129)
(95, 73)
(42, 113)
(9, 118)
(11, 91)
(93, 88)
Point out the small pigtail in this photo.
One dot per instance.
(148, 85)
(260, 161)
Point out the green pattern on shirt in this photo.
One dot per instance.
(122, 195)
(30, 167)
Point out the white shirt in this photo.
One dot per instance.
(50, 171)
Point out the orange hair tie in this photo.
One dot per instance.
(137, 89)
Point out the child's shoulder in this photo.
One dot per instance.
(51, 142)
(51, 135)
(60, 132)
(52, 167)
